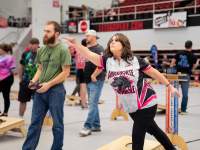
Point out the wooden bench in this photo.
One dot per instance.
(12, 124)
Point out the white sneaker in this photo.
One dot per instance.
(184, 113)
(85, 132)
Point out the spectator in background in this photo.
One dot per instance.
(94, 79)
(112, 15)
(80, 77)
(7, 66)
(27, 70)
(165, 63)
(77, 87)
(185, 61)
(80, 66)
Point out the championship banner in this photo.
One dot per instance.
(170, 20)
(83, 26)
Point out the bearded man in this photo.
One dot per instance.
(53, 60)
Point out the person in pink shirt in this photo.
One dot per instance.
(7, 66)
(80, 78)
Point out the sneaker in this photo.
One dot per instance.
(184, 113)
(96, 129)
(85, 132)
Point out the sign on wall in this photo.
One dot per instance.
(83, 26)
(170, 20)
(3, 22)
(56, 3)
(72, 27)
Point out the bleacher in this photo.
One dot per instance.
(128, 10)
(12, 21)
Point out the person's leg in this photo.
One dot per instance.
(96, 124)
(76, 90)
(6, 97)
(138, 132)
(6, 93)
(22, 108)
(56, 105)
(24, 96)
(154, 130)
(185, 89)
(93, 104)
(83, 93)
(39, 111)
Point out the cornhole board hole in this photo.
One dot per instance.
(124, 143)
(12, 124)
(73, 100)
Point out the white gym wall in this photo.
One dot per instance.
(17, 8)
(43, 11)
(165, 39)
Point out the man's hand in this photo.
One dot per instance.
(93, 78)
(44, 87)
(30, 85)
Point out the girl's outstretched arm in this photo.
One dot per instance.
(155, 74)
(84, 51)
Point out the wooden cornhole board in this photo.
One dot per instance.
(73, 100)
(14, 95)
(12, 124)
(119, 113)
(124, 142)
(48, 121)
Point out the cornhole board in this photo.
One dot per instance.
(14, 95)
(73, 100)
(119, 113)
(124, 143)
(48, 121)
(12, 124)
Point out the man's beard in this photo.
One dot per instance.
(51, 40)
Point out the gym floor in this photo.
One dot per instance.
(111, 130)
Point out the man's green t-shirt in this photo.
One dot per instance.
(52, 60)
